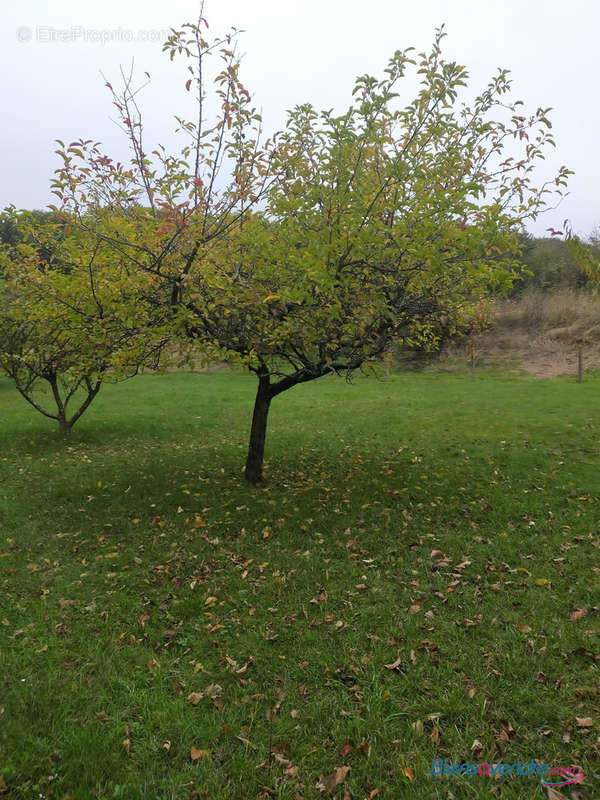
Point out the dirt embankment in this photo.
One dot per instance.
(540, 333)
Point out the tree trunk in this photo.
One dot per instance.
(64, 426)
(256, 448)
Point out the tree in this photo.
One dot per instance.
(548, 263)
(342, 235)
(380, 224)
(65, 318)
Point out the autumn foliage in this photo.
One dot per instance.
(312, 252)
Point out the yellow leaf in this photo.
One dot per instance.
(408, 773)
(542, 581)
(271, 297)
(195, 753)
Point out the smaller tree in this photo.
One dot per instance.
(66, 318)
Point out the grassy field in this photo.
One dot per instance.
(419, 578)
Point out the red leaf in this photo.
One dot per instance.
(188, 84)
(345, 750)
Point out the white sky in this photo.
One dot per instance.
(296, 51)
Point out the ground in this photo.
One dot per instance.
(539, 333)
(417, 579)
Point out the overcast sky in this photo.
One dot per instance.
(296, 51)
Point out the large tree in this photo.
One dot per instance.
(312, 254)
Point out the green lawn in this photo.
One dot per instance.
(418, 578)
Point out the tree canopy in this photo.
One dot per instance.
(66, 317)
(311, 253)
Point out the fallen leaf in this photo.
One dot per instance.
(273, 712)
(408, 773)
(195, 753)
(578, 611)
(522, 627)
(584, 722)
(242, 670)
(345, 750)
(554, 795)
(395, 665)
(506, 732)
(477, 748)
(365, 747)
(327, 783)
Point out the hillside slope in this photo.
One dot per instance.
(539, 333)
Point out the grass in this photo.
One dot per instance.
(536, 310)
(417, 579)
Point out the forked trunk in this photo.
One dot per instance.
(64, 426)
(258, 432)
